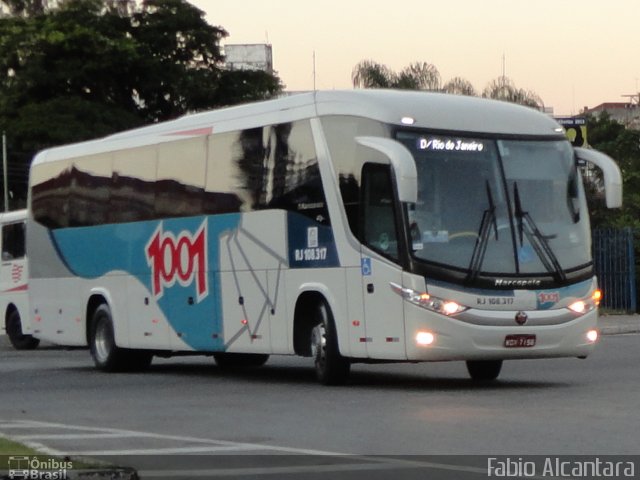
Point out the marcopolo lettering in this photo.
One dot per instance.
(520, 282)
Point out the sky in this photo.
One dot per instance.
(572, 53)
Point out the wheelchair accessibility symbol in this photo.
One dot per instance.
(366, 267)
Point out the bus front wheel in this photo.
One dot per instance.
(19, 340)
(484, 370)
(331, 367)
(107, 356)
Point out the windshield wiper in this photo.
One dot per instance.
(539, 242)
(480, 249)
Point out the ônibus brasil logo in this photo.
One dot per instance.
(182, 259)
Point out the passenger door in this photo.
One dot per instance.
(384, 320)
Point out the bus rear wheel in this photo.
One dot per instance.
(484, 370)
(19, 340)
(331, 367)
(107, 356)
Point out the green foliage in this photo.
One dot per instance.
(24, 7)
(623, 145)
(238, 86)
(77, 69)
(179, 59)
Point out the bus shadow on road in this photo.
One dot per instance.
(359, 379)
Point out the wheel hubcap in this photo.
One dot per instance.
(318, 343)
(102, 341)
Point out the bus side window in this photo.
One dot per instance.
(13, 241)
(378, 222)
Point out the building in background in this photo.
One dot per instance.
(255, 56)
(627, 113)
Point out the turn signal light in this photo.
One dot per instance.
(597, 296)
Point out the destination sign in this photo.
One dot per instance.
(437, 144)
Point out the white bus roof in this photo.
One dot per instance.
(436, 111)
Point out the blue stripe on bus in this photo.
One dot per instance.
(91, 252)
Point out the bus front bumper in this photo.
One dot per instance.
(435, 337)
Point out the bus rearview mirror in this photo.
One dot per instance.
(610, 172)
(402, 163)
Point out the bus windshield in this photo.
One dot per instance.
(497, 207)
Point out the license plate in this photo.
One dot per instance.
(520, 341)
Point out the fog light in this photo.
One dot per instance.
(592, 336)
(425, 338)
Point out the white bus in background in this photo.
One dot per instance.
(13, 280)
(356, 226)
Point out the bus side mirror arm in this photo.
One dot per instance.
(402, 162)
(610, 171)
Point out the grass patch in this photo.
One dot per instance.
(9, 447)
(13, 448)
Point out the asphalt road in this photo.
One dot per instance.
(54, 399)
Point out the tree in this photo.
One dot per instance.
(502, 88)
(425, 76)
(24, 7)
(416, 76)
(71, 70)
(370, 74)
(623, 145)
(419, 76)
(239, 86)
(179, 58)
(459, 86)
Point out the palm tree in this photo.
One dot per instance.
(416, 76)
(425, 76)
(502, 88)
(459, 86)
(419, 76)
(370, 74)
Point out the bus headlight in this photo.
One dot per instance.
(424, 300)
(586, 304)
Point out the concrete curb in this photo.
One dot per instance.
(619, 324)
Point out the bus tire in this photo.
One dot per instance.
(240, 360)
(107, 356)
(484, 370)
(331, 367)
(16, 337)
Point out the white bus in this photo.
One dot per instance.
(13, 280)
(356, 226)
